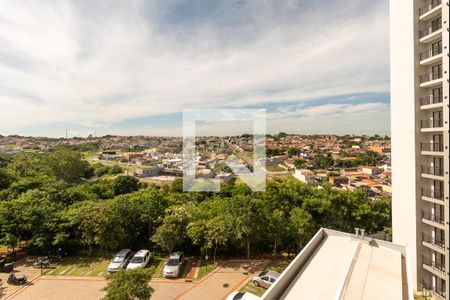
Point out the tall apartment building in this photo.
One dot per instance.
(419, 43)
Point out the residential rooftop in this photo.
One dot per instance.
(337, 265)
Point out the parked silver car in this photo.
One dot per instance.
(120, 260)
(173, 265)
(265, 279)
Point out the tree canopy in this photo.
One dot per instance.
(50, 203)
(129, 285)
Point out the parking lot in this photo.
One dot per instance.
(228, 277)
(21, 267)
(61, 287)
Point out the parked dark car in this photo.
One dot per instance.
(6, 267)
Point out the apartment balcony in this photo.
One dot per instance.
(431, 149)
(430, 10)
(433, 243)
(430, 101)
(437, 268)
(430, 56)
(431, 125)
(433, 196)
(430, 79)
(433, 218)
(432, 172)
(430, 33)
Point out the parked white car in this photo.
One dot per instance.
(242, 296)
(120, 260)
(173, 265)
(139, 260)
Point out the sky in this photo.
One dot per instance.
(132, 67)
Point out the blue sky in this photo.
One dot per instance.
(131, 67)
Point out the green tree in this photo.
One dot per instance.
(168, 234)
(10, 241)
(299, 163)
(32, 217)
(3, 160)
(323, 161)
(371, 158)
(217, 233)
(139, 214)
(246, 214)
(124, 185)
(301, 226)
(276, 227)
(210, 232)
(65, 165)
(92, 225)
(292, 152)
(116, 169)
(5, 179)
(129, 285)
(173, 230)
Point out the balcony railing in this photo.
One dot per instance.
(433, 216)
(430, 76)
(434, 147)
(433, 51)
(433, 240)
(427, 100)
(430, 5)
(434, 194)
(440, 292)
(431, 123)
(439, 266)
(432, 170)
(430, 29)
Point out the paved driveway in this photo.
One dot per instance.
(222, 281)
(165, 290)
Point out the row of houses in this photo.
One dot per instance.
(376, 180)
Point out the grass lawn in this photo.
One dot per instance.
(205, 269)
(158, 263)
(251, 288)
(277, 265)
(80, 266)
(275, 169)
(88, 154)
(91, 266)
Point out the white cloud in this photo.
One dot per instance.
(364, 118)
(105, 62)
